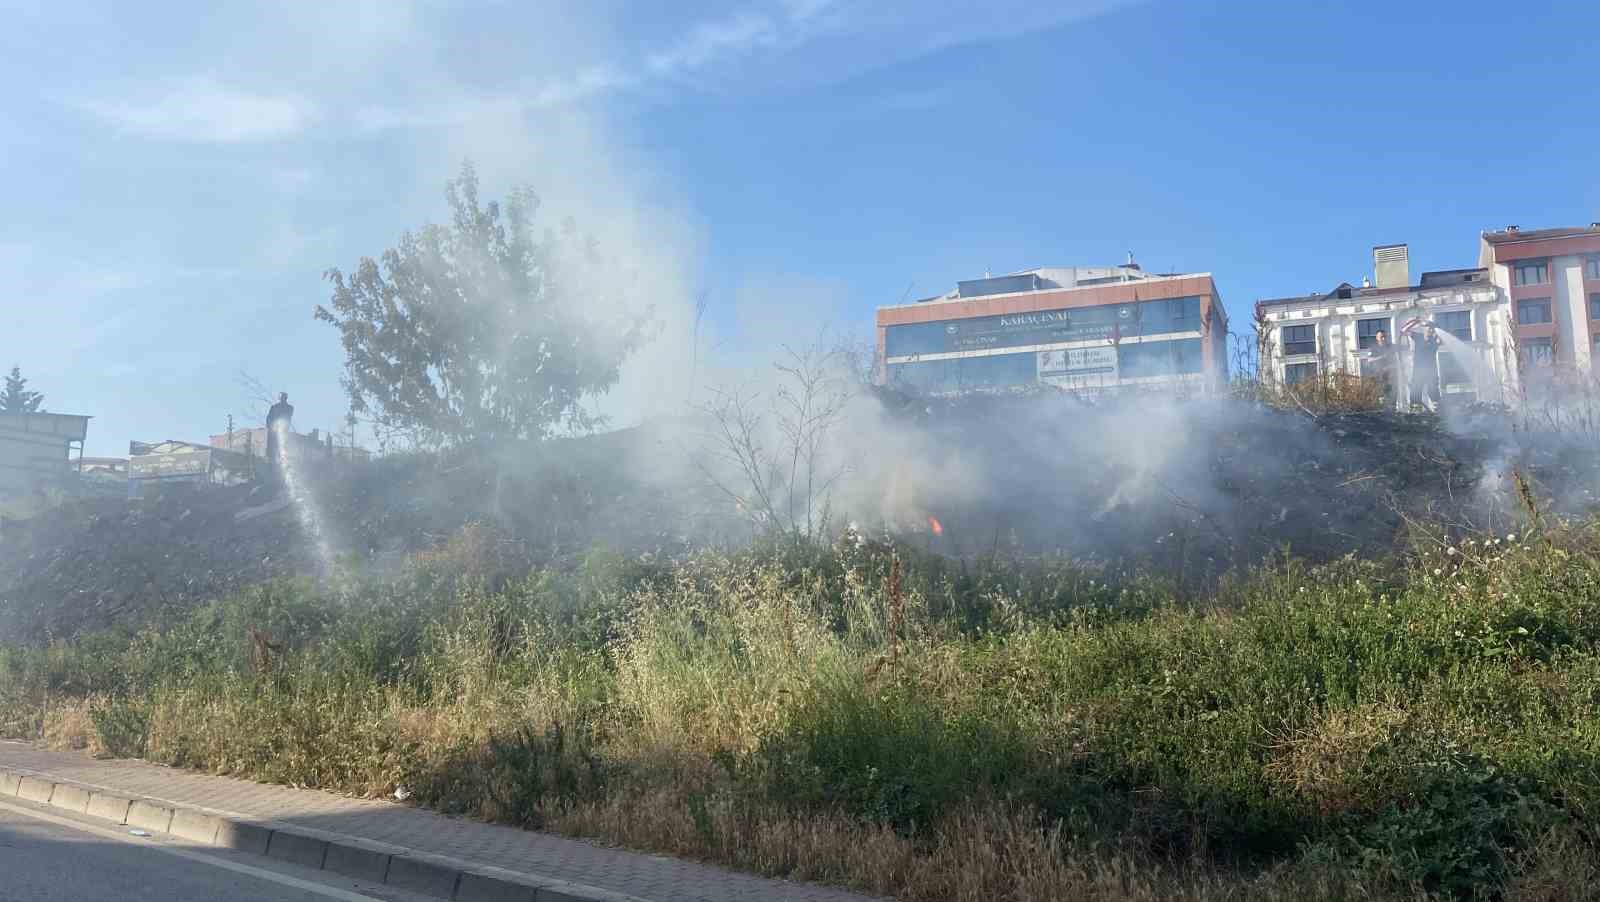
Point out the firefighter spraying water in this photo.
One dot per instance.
(1425, 363)
(280, 423)
(286, 467)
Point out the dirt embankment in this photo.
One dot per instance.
(1200, 488)
(99, 563)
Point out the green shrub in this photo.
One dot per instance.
(1454, 830)
(886, 757)
(123, 726)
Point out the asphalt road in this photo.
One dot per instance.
(46, 856)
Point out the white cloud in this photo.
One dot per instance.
(827, 40)
(399, 69)
(284, 245)
(202, 110)
(590, 82)
(709, 41)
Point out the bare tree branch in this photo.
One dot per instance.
(785, 482)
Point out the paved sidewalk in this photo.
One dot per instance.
(652, 877)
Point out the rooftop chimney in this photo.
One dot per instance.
(1391, 263)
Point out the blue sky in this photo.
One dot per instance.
(176, 181)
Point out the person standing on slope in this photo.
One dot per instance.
(1425, 366)
(280, 417)
(1384, 366)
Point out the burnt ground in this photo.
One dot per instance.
(1216, 488)
(99, 562)
(1227, 483)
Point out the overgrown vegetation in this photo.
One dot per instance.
(911, 726)
(1326, 391)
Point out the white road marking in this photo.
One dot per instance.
(261, 873)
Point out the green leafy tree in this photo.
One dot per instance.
(478, 331)
(17, 398)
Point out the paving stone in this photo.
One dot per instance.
(34, 789)
(149, 816)
(481, 887)
(362, 860)
(245, 837)
(70, 798)
(109, 807)
(424, 875)
(194, 826)
(298, 848)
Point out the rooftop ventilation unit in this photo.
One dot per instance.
(1391, 264)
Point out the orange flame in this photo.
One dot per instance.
(936, 526)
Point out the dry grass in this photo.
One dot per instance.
(1323, 764)
(69, 725)
(1326, 392)
(708, 679)
(1560, 867)
(980, 852)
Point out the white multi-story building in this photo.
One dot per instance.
(1304, 337)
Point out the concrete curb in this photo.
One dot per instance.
(350, 856)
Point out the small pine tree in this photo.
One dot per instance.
(17, 398)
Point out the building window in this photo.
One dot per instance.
(1159, 358)
(1591, 268)
(1299, 340)
(1532, 272)
(1594, 306)
(1170, 315)
(1367, 330)
(1537, 351)
(1296, 373)
(962, 374)
(1456, 322)
(1532, 311)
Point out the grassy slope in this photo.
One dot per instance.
(1351, 731)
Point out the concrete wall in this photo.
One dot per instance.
(35, 448)
(1571, 306)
